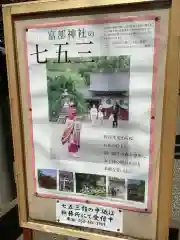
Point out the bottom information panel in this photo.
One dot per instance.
(89, 215)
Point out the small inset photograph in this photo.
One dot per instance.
(136, 190)
(116, 188)
(66, 181)
(91, 184)
(47, 178)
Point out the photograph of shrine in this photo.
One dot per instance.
(47, 178)
(90, 184)
(136, 190)
(66, 181)
(100, 82)
(116, 188)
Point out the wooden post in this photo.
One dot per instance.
(27, 234)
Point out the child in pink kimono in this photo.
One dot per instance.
(71, 134)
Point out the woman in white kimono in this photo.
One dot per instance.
(93, 114)
(100, 115)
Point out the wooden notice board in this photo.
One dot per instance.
(93, 92)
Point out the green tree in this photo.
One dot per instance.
(56, 88)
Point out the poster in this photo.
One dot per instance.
(91, 93)
(89, 215)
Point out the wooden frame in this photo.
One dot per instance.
(163, 173)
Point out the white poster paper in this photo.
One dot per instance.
(91, 97)
(89, 215)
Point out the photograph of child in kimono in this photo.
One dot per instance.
(71, 135)
(86, 101)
